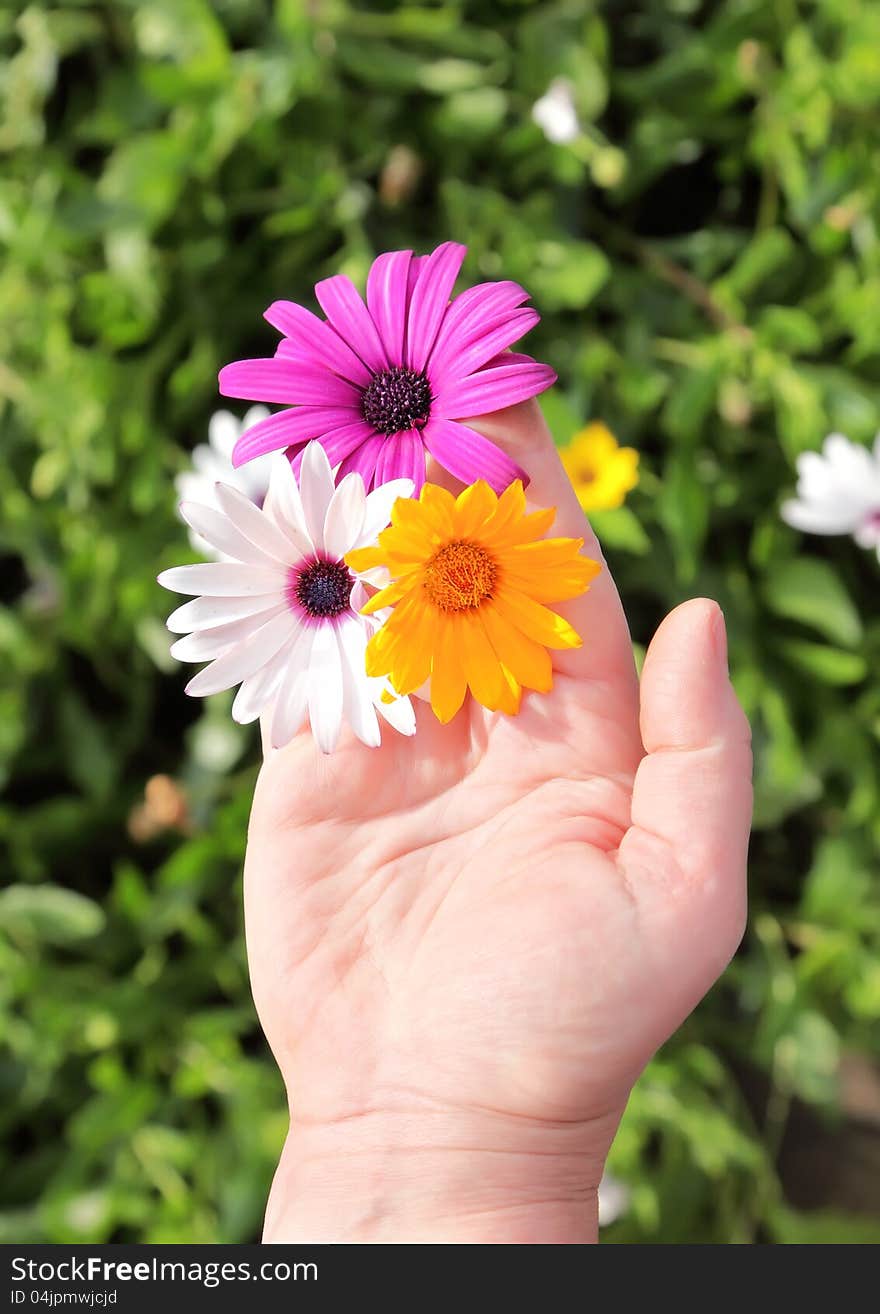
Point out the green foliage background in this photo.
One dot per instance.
(706, 260)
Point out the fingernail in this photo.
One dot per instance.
(719, 636)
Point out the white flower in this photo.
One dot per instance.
(556, 114)
(212, 461)
(613, 1199)
(280, 614)
(838, 492)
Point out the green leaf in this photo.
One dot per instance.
(562, 416)
(763, 256)
(690, 402)
(619, 528)
(144, 177)
(808, 590)
(473, 113)
(807, 1058)
(830, 665)
(49, 913)
(568, 275)
(684, 512)
(823, 1227)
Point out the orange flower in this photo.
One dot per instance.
(469, 579)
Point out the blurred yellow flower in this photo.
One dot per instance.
(601, 471)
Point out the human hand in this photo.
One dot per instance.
(464, 947)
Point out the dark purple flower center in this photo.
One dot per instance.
(397, 399)
(322, 588)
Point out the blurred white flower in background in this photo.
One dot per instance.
(838, 492)
(212, 463)
(613, 1199)
(555, 113)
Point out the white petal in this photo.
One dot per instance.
(204, 548)
(846, 455)
(224, 579)
(845, 473)
(853, 471)
(814, 475)
(867, 534)
(206, 613)
(258, 690)
(255, 525)
(378, 512)
(316, 490)
(292, 700)
(357, 699)
(345, 516)
(290, 710)
(359, 596)
(223, 434)
(204, 645)
(192, 487)
(253, 415)
(378, 576)
(284, 504)
(244, 659)
(325, 688)
(820, 518)
(614, 1198)
(209, 464)
(253, 478)
(556, 114)
(216, 527)
(399, 713)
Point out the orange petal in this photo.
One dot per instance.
(448, 683)
(473, 507)
(388, 596)
(365, 558)
(481, 664)
(535, 621)
(527, 661)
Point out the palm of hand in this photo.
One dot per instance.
(507, 914)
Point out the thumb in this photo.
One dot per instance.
(684, 856)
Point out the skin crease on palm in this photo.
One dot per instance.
(465, 946)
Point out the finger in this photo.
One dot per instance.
(521, 431)
(684, 857)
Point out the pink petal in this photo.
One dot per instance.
(492, 390)
(287, 429)
(430, 301)
(483, 345)
(310, 336)
(475, 310)
(387, 300)
(338, 443)
(296, 382)
(363, 460)
(350, 318)
(416, 265)
(469, 456)
(509, 358)
(402, 457)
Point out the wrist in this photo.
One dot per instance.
(432, 1175)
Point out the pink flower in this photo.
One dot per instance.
(381, 384)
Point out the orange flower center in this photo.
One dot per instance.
(459, 576)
